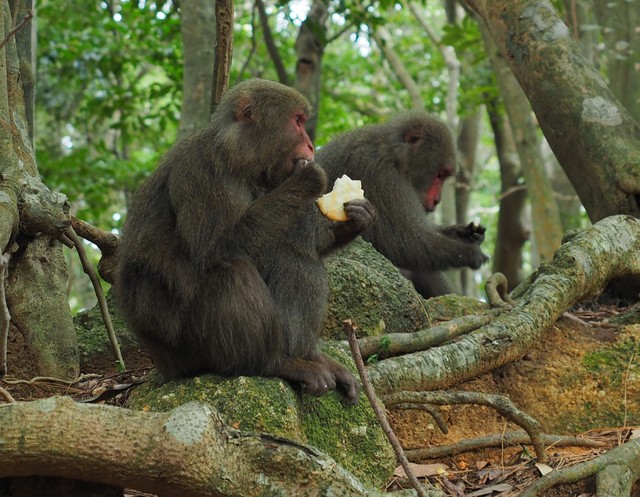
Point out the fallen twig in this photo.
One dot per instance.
(379, 410)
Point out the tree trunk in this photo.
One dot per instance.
(620, 21)
(198, 29)
(465, 179)
(512, 233)
(592, 135)
(546, 224)
(31, 220)
(187, 452)
(309, 50)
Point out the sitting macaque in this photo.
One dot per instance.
(220, 263)
(402, 165)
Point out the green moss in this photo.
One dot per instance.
(446, 307)
(610, 364)
(609, 382)
(349, 434)
(369, 290)
(247, 403)
(93, 340)
(631, 316)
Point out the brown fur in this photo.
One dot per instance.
(220, 263)
(398, 162)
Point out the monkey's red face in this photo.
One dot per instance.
(430, 197)
(303, 151)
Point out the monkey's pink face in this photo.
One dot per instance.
(430, 197)
(303, 151)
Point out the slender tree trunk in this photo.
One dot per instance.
(309, 50)
(620, 20)
(512, 233)
(198, 30)
(467, 147)
(546, 224)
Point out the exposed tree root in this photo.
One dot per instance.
(616, 472)
(502, 440)
(501, 404)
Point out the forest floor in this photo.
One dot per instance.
(550, 383)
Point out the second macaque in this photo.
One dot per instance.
(402, 165)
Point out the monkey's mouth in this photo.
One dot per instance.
(300, 162)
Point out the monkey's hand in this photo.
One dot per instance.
(476, 257)
(309, 178)
(468, 239)
(472, 232)
(361, 215)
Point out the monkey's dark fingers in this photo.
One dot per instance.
(345, 381)
(350, 387)
(472, 232)
(319, 385)
(314, 376)
(361, 212)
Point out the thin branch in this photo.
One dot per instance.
(12, 32)
(382, 38)
(510, 438)
(51, 379)
(224, 50)
(451, 61)
(5, 315)
(401, 343)
(104, 310)
(498, 402)
(271, 46)
(6, 395)
(378, 409)
(435, 414)
(254, 45)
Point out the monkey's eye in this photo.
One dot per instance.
(300, 120)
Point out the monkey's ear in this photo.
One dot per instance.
(244, 109)
(413, 136)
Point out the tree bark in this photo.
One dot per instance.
(185, 452)
(223, 50)
(581, 268)
(593, 136)
(546, 224)
(512, 233)
(283, 77)
(619, 20)
(198, 30)
(36, 288)
(309, 50)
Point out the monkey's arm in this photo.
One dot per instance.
(404, 234)
(217, 216)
